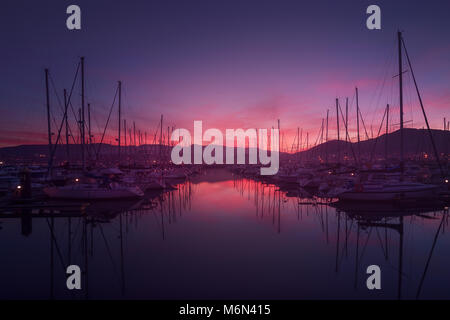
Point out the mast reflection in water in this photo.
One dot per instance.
(220, 236)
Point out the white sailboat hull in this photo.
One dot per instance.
(69, 192)
(391, 193)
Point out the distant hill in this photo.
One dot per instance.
(416, 142)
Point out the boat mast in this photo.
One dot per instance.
(82, 116)
(125, 135)
(120, 120)
(436, 153)
(346, 127)
(326, 139)
(134, 135)
(338, 137)
(346, 116)
(89, 125)
(357, 123)
(160, 138)
(279, 140)
(66, 122)
(400, 82)
(386, 137)
(321, 131)
(301, 142)
(49, 128)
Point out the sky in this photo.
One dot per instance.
(231, 64)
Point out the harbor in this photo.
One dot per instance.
(310, 161)
(226, 230)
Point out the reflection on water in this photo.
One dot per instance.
(219, 236)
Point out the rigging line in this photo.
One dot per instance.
(365, 246)
(419, 289)
(318, 134)
(364, 125)
(108, 250)
(61, 260)
(97, 123)
(381, 242)
(74, 233)
(348, 137)
(423, 109)
(61, 126)
(69, 101)
(343, 250)
(107, 121)
(71, 90)
(387, 64)
(56, 92)
(52, 84)
(69, 128)
(378, 134)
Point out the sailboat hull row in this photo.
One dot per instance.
(89, 193)
(390, 193)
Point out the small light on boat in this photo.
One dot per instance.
(76, 180)
(446, 180)
(1, 162)
(19, 187)
(352, 174)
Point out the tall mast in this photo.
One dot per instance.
(120, 120)
(89, 139)
(357, 123)
(346, 126)
(82, 122)
(400, 82)
(326, 139)
(79, 124)
(66, 123)
(125, 135)
(89, 124)
(160, 138)
(134, 133)
(387, 132)
(321, 131)
(301, 142)
(279, 140)
(436, 153)
(338, 137)
(301, 139)
(346, 117)
(298, 138)
(49, 128)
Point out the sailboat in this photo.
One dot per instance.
(390, 190)
(93, 190)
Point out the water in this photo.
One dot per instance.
(222, 237)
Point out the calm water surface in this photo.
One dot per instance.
(223, 237)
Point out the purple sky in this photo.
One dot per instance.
(232, 64)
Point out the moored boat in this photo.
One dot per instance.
(388, 192)
(93, 191)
